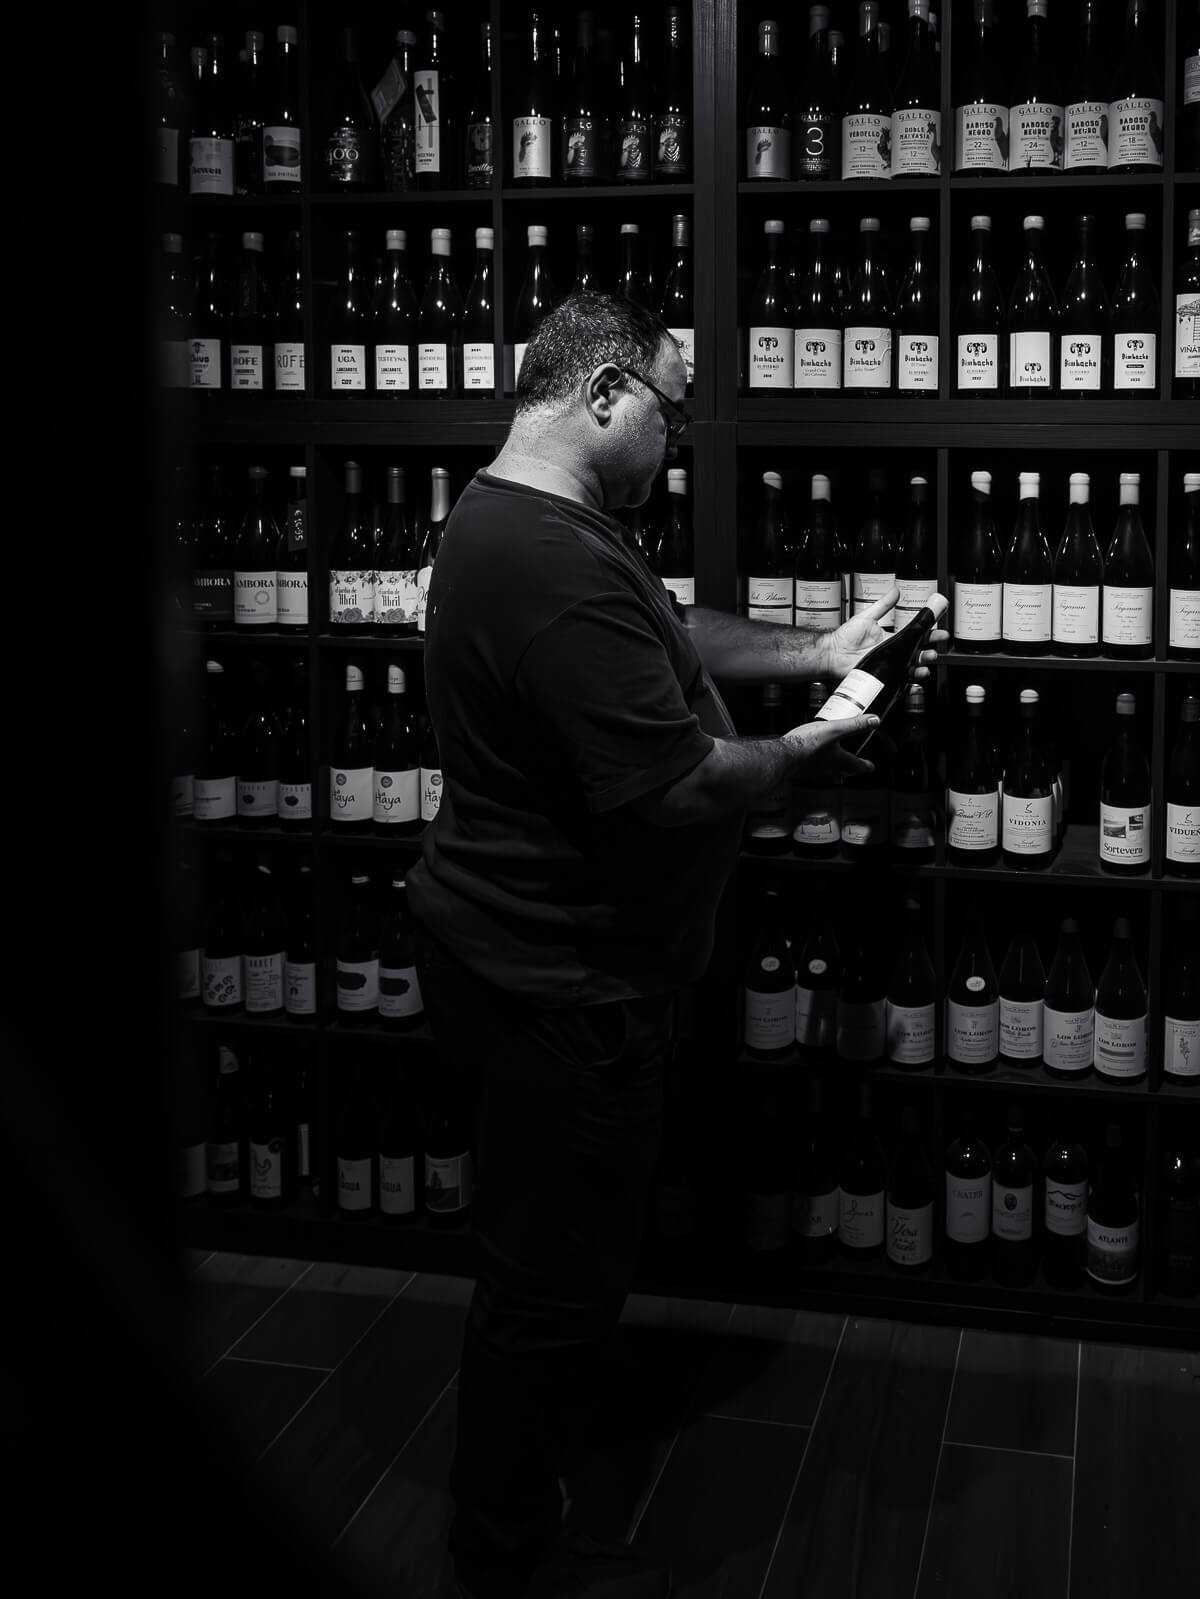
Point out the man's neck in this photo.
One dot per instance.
(528, 460)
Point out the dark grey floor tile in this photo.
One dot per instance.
(225, 1296)
(1015, 1391)
(256, 1400)
(999, 1527)
(1136, 1530)
(856, 1522)
(771, 1364)
(323, 1316)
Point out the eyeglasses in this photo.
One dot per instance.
(673, 414)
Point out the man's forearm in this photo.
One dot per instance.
(732, 776)
(737, 650)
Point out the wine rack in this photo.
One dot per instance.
(734, 437)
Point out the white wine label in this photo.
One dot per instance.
(289, 366)
(979, 360)
(479, 367)
(300, 987)
(1066, 1208)
(818, 358)
(1079, 357)
(347, 367)
(358, 985)
(210, 166)
(867, 358)
(391, 368)
(816, 1215)
(861, 1029)
(972, 1032)
(972, 820)
(399, 992)
(449, 1180)
(816, 1017)
(1183, 832)
(396, 796)
(1187, 335)
(856, 693)
(917, 363)
(264, 983)
(246, 366)
(1067, 1038)
(1135, 361)
(1075, 613)
(861, 1219)
(1087, 124)
(1185, 617)
(1012, 1212)
(531, 142)
(968, 1208)
(685, 338)
(1027, 825)
(1028, 613)
(433, 368)
(865, 814)
(257, 798)
(866, 146)
(684, 589)
(424, 573)
(772, 358)
(187, 974)
(818, 817)
(1021, 1028)
(395, 597)
(1135, 132)
(911, 1033)
(353, 1184)
(294, 802)
(1121, 1044)
(865, 589)
(431, 792)
(978, 612)
(223, 1168)
(1125, 835)
(818, 604)
(768, 153)
(1181, 1047)
(1127, 615)
(916, 142)
(909, 1234)
(291, 599)
(914, 592)
(397, 1185)
(1112, 1253)
(766, 1220)
(1029, 360)
(1035, 137)
(1191, 79)
(981, 143)
(770, 1020)
(221, 980)
(281, 148)
(769, 599)
(428, 127)
(351, 596)
(214, 799)
(206, 363)
(266, 1170)
(351, 793)
(254, 599)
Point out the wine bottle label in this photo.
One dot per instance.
(982, 138)
(968, 1208)
(223, 1168)
(183, 795)
(1027, 825)
(816, 1215)
(300, 987)
(770, 1020)
(910, 1033)
(431, 792)
(633, 150)
(351, 595)
(1067, 1038)
(214, 798)
(1012, 1212)
(481, 160)
(206, 363)
(1136, 132)
(1187, 335)
(917, 363)
(979, 360)
(399, 992)
(772, 358)
(187, 974)
(865, 813)
(912, 820)
(1087, 124)
(1028, 613)
(166, 156)
(909, 1234)
(351, 792)
(254, 599)
(818, 819)
(818, 603)
(816, 1017)
(531, 148)
(816, 146)
(424, 573)
(818, 358)
(1075, 613)
(281, 146)
(916, 142)
(972, 1031)
(1021, 1028)
(1079, 362)
(289, 366)
(1112, 1252)
(397, 796)
(1135, 361)
(1035, 137)
(210, 166)
(398, 1185)
(395, 598)
(347, 367)
(1191, 79)
(391, 368)
(1121, 1044)
(353, 1184)
(1127, 615)
(348, 156)
(579, 149)
(972, 820)
(479, 367)
(768, 153)
(854, 695)
(448, 1182)
(1125, 835)
(1185, 618)
(861, 1219)
(433, 368)
(978, 612)
(246, 366)
(291, 599)
(1066, 1208)
(861, 1029)
(1181, 1047)
(768, 599)
(867, 358)
(684, 589)
(221, 980)
(358, 985)
(1029, 362)
(914, 593)
(294, 802)
(866, 145)
(266, 1169)
(865, 589)
(257, 798)
(766, 1220)
(685, 338)
(1183, 832)
(428, 131)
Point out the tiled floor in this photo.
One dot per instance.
(783, 1455)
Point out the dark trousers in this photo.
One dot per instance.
(567, 1136)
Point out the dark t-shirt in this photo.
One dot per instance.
(562, 686)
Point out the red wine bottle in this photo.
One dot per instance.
(973, 1004)
(1113, 1219)
(401, 1006)
(263, 940)
(672, 104)
(400, 1154)
(867, 105)
(968, 1202)
(1068, 1009)
(862, 1186)
(818, 980)
(210, 139)
(294, 803)
(357, 955)
(1125, 796)
(815, 126)
(1065, 1173)
(676, 305)
(1122, 1012)
(767, 136)
(287, 335)
(862, 1000)
(635, 114)
(582, 108)
(534, 108)
(911, 1013)
(351, 768)
(352, 561)
(395, 603)
(1014, 1170)
(355, 1136)
(916, 113)
(910, 1198)
(1185, 384)
(396, 760)
(816, 1198)
(769, 985)
(1137, 130)
(1036, 115)
(258, 754)
(981, 115)
(351, 143)
(282, 141)
(1086, 113)
(878, 680)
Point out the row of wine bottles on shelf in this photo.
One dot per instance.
(809, 113)
(857, 998)
(815, 327)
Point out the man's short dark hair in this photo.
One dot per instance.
(582, 332)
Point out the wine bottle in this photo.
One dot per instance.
(300, 951)
(350, 322)
(249, 347)
(878, 680)
(867, 106)
(354, 1139)
(351, 772)
(582, 114)
(211, 296)
(909, 1198)
(633, 281)
(816, 808)
(980, 362)
(768, 139)
(635, 120)
(769, 984)
(771, 363)
(816, 1198)
(1083, 364)
(818, 981)
(212, 575)
(1137, 130)
(979, 575)
(479, 320)
(911, 1013)
(817, 580)
(431, 538)
(186, 936)
(672, 105)
(431, 772)
(258, 755)
(1122, 1011)
(817, 314)
(535, 298)
(215, 777)
(917, 317)
(435, 118)
(1028, 577)
(1186, 381)
(439, 324)
(815, 123)
(288, 332)
(866, 803)
(291, 558)
(585, 275)
(973, 1004)
(1188, 142)
(280, 138)
(401, 1007)
(911, 803)
(916, 114)
(263, 942)
(174, 314)
(1068, 1009)
(396, 782)
(1014, 1167)
(479, 155)
(1181, 1001)
(167, 112)
(868, 341)
(1179, 1227)
(255, 552)
(294, 799)
(916, 555)
(1065, 1173)
(1022, 981)
(357, 954)
(221, 969)
(271, 1139)
(876, 553)
(1125, 798)
(1127, 608)
(972, 791)
(401, 1156)
(1027, 800)
(1078, 570)
(768, 825)
(769, 582)
(249, 114)
(1086, 113)
(671, 556)
(352, 561)
(351, 158)
(394, 103)
(1113, 1218)
(675, 307)
(1035, 120)
(968, 1173)
(1135, 316)
(534, 109)
(981, 130)
(393, 319)
(449, 1162)
(861, 1034)
(227, 1146)
(1032, 320)
(862, 1186)
(1182, 793)
(395, 601)
(210, 138)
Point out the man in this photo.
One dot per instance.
(594, 792)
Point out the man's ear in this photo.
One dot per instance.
(599, 391)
